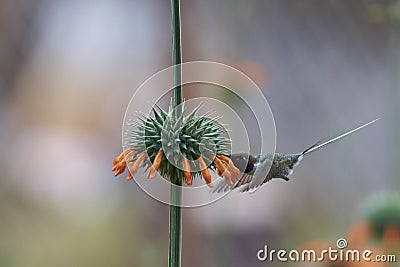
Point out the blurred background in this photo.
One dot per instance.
(69, 68)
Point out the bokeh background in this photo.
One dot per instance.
(69, 68)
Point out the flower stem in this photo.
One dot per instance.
(176, 51)
(175, 210)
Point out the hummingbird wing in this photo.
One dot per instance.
(222, 186)
(260, 176)
(248, 181)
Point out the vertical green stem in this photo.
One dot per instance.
(176, 50)
(175, 210)
(175, 228)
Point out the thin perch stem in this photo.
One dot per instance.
(176, 51)
(175, 210)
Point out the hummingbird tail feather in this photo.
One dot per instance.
(320, 145)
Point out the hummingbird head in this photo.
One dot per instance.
(283, 165)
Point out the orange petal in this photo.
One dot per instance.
(117, 159)
(119, 168)
(235, 173)
(152, 173)
(220, 166)
(204, 171)
(156, 164)
(186, 171)
(137, 164)
(231, 167)
(157, 160)
(129, 177)
(224, 158)
(130, 154)
(228, 177)
(119, 163)
(222, 171)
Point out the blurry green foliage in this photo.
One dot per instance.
(381, 211)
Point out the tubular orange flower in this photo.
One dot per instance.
(223, 164)
(157, 160)
(231, 167)
(204, 171)
(152, 173)
(222, 171)
(130, 176)
(117, 160)
(135, 166)
(186, 171)
(120, 162)
(156, 164)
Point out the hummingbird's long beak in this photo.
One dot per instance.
(320, 145)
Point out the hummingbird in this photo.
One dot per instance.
(257, 170)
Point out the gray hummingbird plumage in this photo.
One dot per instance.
(257, 170)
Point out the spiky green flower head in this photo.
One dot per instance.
(176, 145)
